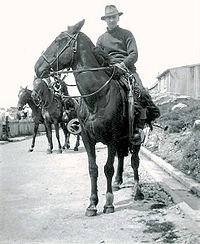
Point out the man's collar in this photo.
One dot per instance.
(112, 30)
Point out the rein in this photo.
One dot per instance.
(73, 39)
(80, 70)
(97, 91)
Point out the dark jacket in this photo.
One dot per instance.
(121, 46)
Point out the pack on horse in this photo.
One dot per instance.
(70, 115)
(24, 97)
(70, 106)
(102, 112)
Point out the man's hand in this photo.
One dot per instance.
(120, 68)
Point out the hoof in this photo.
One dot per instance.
(68, 147)
(108, 209)
(90, 212)
(59, 150)
(30, 150)
(116, 186)
(76, 149)
(49, 151)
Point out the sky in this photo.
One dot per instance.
(167, 34)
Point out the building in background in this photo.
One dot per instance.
(184, 80)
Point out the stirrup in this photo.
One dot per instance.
(138, 137)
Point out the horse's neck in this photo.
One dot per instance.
(89, 82)
(30, 101)
(47, 97)
(32, 105)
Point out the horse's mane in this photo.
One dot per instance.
(101, 56)
(24, 89)
(28, 90)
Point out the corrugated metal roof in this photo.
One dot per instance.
(167, 70)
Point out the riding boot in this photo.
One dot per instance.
(139, 123)
(145, 99)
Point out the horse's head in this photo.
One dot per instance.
(39, 87)
(59, 54)
(23, 97)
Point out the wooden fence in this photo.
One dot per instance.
(19, 128)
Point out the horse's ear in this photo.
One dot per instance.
(26, 87)
(76, 28)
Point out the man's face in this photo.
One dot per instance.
(112, 21)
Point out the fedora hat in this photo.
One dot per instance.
(111, 10)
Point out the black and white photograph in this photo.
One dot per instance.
(100, 122)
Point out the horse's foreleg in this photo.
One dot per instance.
(93, 171)
(46, 131)
(77, 143)
(109, 172)
(135, 161)
(49, 137)
(67, 140)
(36, 125)
(56, 124)
(119, 174)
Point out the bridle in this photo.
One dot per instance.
(23, 97)
(73, 40)
(37, 98)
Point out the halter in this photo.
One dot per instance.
(38, 99)
(74, 49)
(72, 39)
(21, 99)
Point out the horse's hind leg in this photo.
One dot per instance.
(77, 143)
(49, 137)
(109, 172)
(119, 174)
(135, 161)
(56, 124)
(36, 125)
(67, 140)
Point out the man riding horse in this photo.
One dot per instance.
(102, 111)
(121, 47)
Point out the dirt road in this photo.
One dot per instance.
(44, 198)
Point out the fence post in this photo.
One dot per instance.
(5, 129)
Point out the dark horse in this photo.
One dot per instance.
(24, 97)
(52, 112)
(101, 112)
